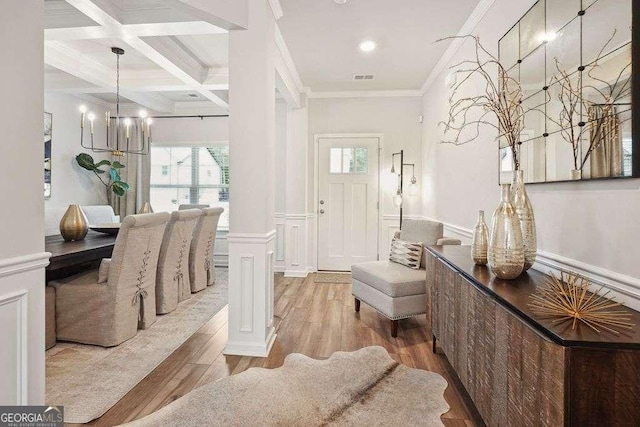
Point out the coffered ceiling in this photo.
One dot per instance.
(174, 53)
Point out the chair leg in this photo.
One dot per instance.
(434, 349)
(357, 305)
(394, 328)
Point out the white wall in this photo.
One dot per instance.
(397, 120)
(70, 184)
(22, 257)
(589, 227)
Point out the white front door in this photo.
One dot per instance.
(347, 202)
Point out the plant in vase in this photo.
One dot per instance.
(500, 100)
(112, 182)
(589, 102)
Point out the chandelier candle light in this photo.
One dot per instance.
(135, 141)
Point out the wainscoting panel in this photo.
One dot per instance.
(13, 336)
(246, 289)
(22, 335)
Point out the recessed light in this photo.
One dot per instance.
(368, 46)
(340, 1)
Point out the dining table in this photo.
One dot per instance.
(68, 258)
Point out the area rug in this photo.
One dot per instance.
(89, 380)
(365, 387)
(332, 278)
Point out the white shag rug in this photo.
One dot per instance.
(364, 388)
(88, 380)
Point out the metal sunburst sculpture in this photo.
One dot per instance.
(568, 299)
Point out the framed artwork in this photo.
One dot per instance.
(48, 118)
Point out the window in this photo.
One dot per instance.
(192, 175)
(348, 160)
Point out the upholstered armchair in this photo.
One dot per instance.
(172, 278)
(105, 307)
(394, 290)
(201, 268)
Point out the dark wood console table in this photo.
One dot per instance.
(519, 369)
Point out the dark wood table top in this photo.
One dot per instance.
(515, 295)
(66, 254)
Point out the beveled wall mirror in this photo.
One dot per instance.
(573, 59)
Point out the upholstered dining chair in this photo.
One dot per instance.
(107, 306)
(201, 268)
(186, 207)
(172, 278)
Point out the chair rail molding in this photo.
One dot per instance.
(22, 264)
(624, 288)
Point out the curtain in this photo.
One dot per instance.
(136, 173)
(606, 138)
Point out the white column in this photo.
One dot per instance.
(251, 143)
(22, 260)
(296, 257)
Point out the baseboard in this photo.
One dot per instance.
(251, 350)
(298, 273)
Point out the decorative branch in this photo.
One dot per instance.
(502, 99)
(599, 111)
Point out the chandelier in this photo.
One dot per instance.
(125, 135)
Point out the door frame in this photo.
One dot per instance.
(316, 183)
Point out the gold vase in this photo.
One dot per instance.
(480, 242)
(74, 224)
(522, 204)
(146, 208)
(506, 250)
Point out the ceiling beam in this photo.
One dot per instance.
(227, 14)
(137, 30)
(68, 60)
(105, 14)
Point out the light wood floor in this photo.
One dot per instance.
(315, 319)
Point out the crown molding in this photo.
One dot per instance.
(467, 28)
(366, 94)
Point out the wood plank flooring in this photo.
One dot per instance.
(315, 319)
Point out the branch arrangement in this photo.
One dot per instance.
(600, 112)
(501, 98)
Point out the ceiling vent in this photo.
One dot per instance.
(362, 77)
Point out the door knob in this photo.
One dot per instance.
(322, 202)
(321, 211)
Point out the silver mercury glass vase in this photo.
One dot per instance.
(480, 242)
(506, 250)
(522, 204)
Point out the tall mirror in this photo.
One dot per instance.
(573, 59)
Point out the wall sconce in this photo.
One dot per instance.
(414, 190)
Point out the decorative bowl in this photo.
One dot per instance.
(111, 229)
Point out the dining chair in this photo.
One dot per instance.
(107, 306)
(172, 277)
(185, 207)
(201, 267)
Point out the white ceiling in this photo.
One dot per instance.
(323, 38)
(170, 52)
